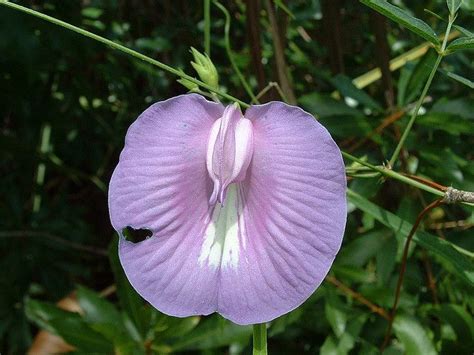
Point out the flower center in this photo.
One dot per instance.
(229, 151)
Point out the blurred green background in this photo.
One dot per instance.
(66, 102)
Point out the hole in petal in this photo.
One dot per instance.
(136, 235)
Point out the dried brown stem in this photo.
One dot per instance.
(357, 296)
(281, 66)
(253, 31)
(379, 24)
(393, 312)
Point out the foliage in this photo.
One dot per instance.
(67, 101)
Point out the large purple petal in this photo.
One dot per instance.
(161, 183)
(291, 217)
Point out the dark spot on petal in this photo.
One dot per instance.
(136, 235)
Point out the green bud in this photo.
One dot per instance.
(205, 69)
(188, 84)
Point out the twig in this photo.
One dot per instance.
(357, 296)
(453, 195)
(54, 238)
(393, 312)
(414, 115)
(253, 30)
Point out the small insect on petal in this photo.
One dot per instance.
(229, 151)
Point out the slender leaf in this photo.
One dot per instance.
(129, 299)
(348, 89)
(462, 265)
(212, 333)
(400, 16)
(42, 313)
(96, 309)
(453, 6)
(464, 31)
(335, 314)
(76, 332)
(458, 78)
(413, 336)
(461, 44)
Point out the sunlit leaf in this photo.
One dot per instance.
(413, 336)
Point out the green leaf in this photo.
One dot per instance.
(453, 6)
(400, 16)
(459, 319)
(76, 333)
(385, 260)
(461, 264)
(412, 335)
(131, 302)
(92, 12)
(325, 106)
(348, 89)
(214, 332)
(360, 250)
(458, 78)
(450, 123)
(335, 314)
(461, 44)
(464, 31)
(42, 313)
(96, 309)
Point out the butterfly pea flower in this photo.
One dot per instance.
(247, 211)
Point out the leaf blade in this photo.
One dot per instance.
(461, 44)
(400, 16)
(463, 267)
(453, 6)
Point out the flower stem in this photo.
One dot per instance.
(395, 175)
(121, 48)
(207, 27)
(259, 339)
(414, 115)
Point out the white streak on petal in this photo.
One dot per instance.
(221, 246)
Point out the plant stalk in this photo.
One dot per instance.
(121, 48)
(207, 27)
(259, 339)
(414, 115)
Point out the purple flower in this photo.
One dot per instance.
(247, 211)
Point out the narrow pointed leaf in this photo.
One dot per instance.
(400, 16)
(459, 78)
(464, 31)
(463, 267)
(96, 309)
(453, 6)
(348, 89)
(460, 44)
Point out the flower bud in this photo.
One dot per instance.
(205, 69)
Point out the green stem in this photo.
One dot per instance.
(260, 339)
(230, 54)
(441, 54)
(207, 27)
(121, 48)
(395, 175)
